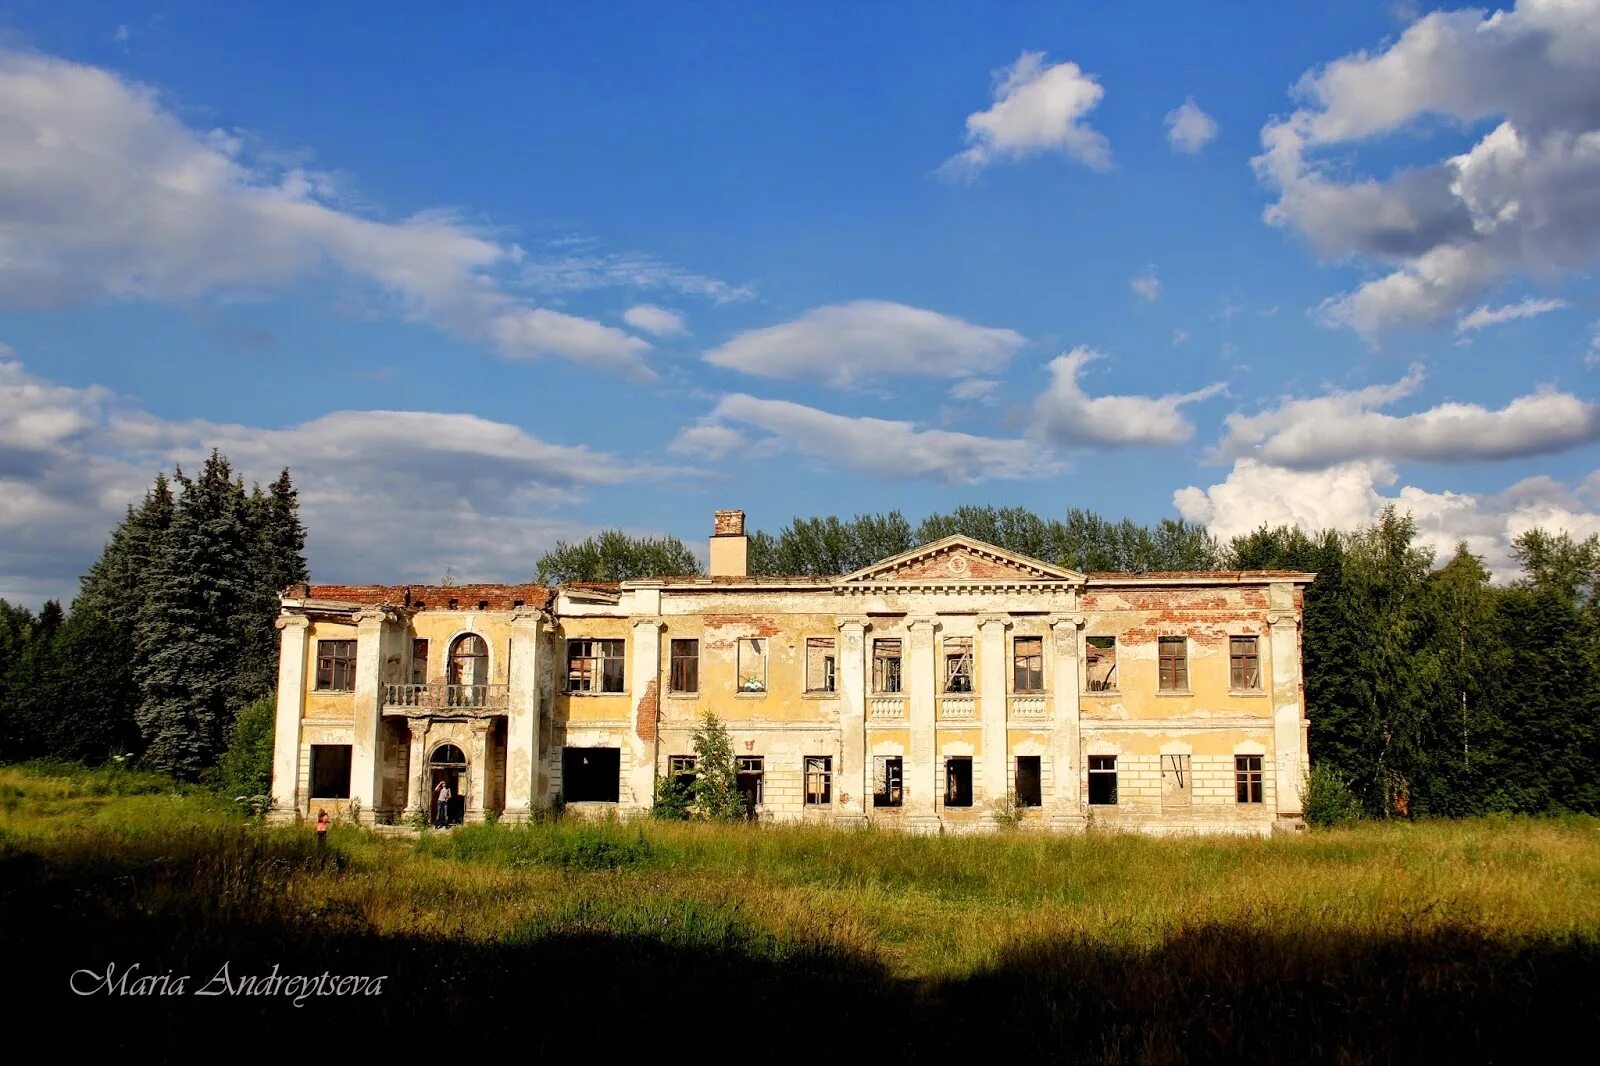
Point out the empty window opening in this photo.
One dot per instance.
(819, 780)
(591, 775)
(419, 661)
(751, 775)
(958, 781)
(1030, 786)
(1244, 664)
(681, 769)
(1176, 780)
(594, 666)
(1247, 778)
(1103, 780)
(1027, 664)
(821, 665)
(336, 665)
(1174, 663)
(1100, 664)
(330, 771)
(752, 664)
(888, 781)
(958, 664)
(886, 665)
(468, 671)
(684, 675)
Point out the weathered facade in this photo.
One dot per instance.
(951, 688)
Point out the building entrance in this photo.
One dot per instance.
(448, 767)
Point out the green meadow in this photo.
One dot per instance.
(1477, 939)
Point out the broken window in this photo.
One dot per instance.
(1030, 789)
(819, 780)
(751, 772)
(888, 775)
(591, 775)
(1173, 659)
(419, 661)
(336, 665)
(1176, 780)
(886, 665)
(1027, 664)
(1247, 778)
(684, 675)
(820, 665)
(1103, 780)
(958, 781)
(1100, 664)
(330, 771)
(681, 769)
(958, 664)
(1244, 664)
(594, 666)
(468, 670)
(752, 664)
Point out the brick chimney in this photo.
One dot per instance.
(730, 548)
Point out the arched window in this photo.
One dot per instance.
(469, 670)
(448, 755)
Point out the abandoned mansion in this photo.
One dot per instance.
(957, 686)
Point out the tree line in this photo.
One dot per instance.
(171, 637)
(1430, 689)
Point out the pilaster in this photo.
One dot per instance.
(366, 754)
(1289, 756)
(286, 785)
(854, 780)
(1066, 744)
(645, 669)
(922, 780)
(477, 769)
(417, 798)
(991, 682)
(523, 757)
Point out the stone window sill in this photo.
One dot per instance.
(683, 695)
(819, 695)
(1257, 692)
(1108, 692)
(1175, 692)
(1029, 692)
(750, 695)
(595, 695)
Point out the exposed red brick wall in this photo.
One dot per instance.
(645, 721)
(738, 625)
(434, 597)
(978, 567)
(1201, 598)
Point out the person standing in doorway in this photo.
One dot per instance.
(323, 822)
(441, 802)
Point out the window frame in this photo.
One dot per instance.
(336, 664)
(419, 644)
(891, 771)
(950, 779)
(597, 669)
(1180, 664)
(817, 768)
(746, 682)
(881, 673)
(830, 667)
(1236, 659)
(1037, 797)
(752, 766)
(1107, 769)
(1017, 659)
(958, 660)
(683, 769)
(1249, 786)
(674, 658)
(1111, 686)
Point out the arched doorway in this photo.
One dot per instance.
(447, 766)
(468, 670)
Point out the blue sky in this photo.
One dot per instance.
(488, 276)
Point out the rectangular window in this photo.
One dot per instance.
(1030, 789)
(958, 781)
(752, 664)
(594, 666)
(819, 780)
(750, 775)
(336, 666)
(419, 661)
(591, 775)
(1100, 664)
(681, 769)
(684, 675)
(888, 776)
(1173, 655)
(1247, 777)
(1103, 780)
(1176, 781)
(958, 664)
(1027, 664)
(1244, 664)
(886, 665)
(820, 665)
(330, 771)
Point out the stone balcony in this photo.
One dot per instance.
(436, 697)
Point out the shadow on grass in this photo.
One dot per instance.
(1208, 993)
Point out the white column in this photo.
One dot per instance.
(1066, 746)
(1289, 756)
(366, 755)
(923, 781)
(286, 790)
(854, 776)
(477, 770)
(417, 798)
(523, 757)
(991, 682)
(645, 670)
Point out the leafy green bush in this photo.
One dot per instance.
(246, 769)
(673, 800)
(1329, 801)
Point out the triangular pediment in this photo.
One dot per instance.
(960, 560)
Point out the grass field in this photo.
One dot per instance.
(1477, 940)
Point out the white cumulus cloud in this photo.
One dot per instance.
(657, 321)
(1189, 129)
(841, 344)
(1067, 416)
(1494, 316)
(1037, 108)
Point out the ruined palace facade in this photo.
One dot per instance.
(957, 686)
